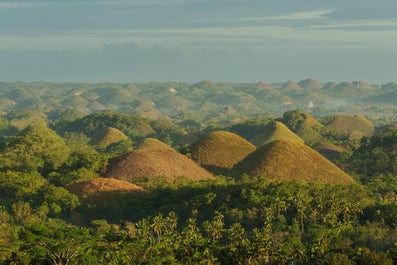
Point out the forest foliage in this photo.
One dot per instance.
(224, 220)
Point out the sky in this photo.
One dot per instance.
(193, 40)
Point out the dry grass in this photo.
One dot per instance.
(153, 143)
(355, 125)
(153, 163)
(329, 150)
(275, 131)
(289, 160)
(93, 186)
(220, 150)
(108, 136)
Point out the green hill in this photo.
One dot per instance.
(275, 130)
(289, 160)
(220, 150)
(107, 137)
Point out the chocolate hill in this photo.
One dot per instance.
(275, 130)
(356, 126)
(93, 186)
(310, 84)
(108, 136)
(155, 163)
(153, 143)
(289, 160)
(220, 150)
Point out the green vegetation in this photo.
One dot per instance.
(84, 183)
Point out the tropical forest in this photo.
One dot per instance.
(296, 172)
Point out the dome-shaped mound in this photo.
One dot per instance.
(93, 186)
(329, 150)
(156, 163)
(108, 136)
(290, 86)
(362, 85)
(275, 131)
(289, 160)
(310, 84)
(220, 150)
(356, 125)
(153, 143)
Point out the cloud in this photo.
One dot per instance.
(316, 14)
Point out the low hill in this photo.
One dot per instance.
(329, 150)
(275, 130)
(155, 163)
(356, 125)
(220, 150)
(290, 86)
(289, 160)
(93, 186)
(153, 143)
(304, 125)
(310, 84)
(107, 137)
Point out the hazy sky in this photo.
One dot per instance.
(192, 40)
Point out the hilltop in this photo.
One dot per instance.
(151, 163)
(356, 126)
(289, 160)
(275, 130)
(220, 150)
(107, 137)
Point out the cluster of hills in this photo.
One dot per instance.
(205, 101)
(296, 170)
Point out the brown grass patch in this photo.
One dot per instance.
(108, 136)
(353, 125)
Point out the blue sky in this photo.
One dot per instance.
(191, 40)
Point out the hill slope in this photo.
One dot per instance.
(153, 163)
(353, 125)
(289, 160)
(220, 150)
(275, 131)
(108, 136)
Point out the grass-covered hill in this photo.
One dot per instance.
(96, 186)
(153, 143)
(151, 163)
(290, 161)
(275, 130)
(220, 150)
(356, 126)
(107, 137)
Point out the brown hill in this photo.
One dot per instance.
(289, 160)
(290, 86)
(155, 163)
(310, 84)
(93, 186)
(329, 150)
(220, 150)
(108, 136)
(153, 143)
(362, 85)
(275, 131)
(356, 125)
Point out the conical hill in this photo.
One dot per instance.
(108, 136)
(155, 163)
(275, 130)
(289, 160)
(310, 84)
(93, 186)
(355, 126)
(153, 143)
(220, 150)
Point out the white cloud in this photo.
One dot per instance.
(316, 14)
